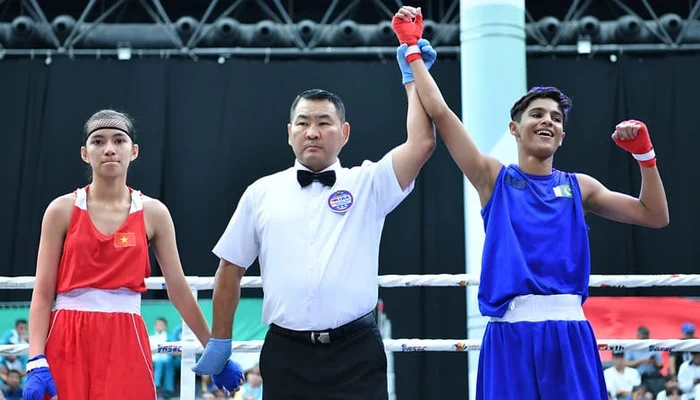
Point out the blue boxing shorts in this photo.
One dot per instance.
(543, 348)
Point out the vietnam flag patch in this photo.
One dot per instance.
(125, 239)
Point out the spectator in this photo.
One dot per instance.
(13, 391)
(620, 379)
(18, 335)
(640, 392)
(252, 389)
(677, 358)
(672, 394)
(11, 363)
(689, 376)
(670, 387)
(648, 363)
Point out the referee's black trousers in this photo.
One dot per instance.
(350, 368)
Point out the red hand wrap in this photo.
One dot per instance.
(413, 53)
(409, 32)
(640, 146)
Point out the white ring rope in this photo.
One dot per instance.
(190, 348)
(419, 345)
(441, 280)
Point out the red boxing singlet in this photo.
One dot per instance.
(93, 260)
(97, 346)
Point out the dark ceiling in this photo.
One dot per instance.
(362, 11)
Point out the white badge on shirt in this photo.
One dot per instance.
(340, 201)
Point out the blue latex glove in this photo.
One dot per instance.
(230, 377)
(214, 358)
(428, 52)
(429, 56)
(39, 381)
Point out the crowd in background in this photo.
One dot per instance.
(639, 375)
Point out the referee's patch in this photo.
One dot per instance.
(340, 201)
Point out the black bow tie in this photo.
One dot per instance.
(306, 177)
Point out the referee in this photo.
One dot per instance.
(315, 229)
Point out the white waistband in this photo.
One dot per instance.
(536, 308)
(99, 300)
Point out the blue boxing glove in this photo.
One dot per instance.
(428, 54)
(214, 358)
(230, 377)
(39, 380)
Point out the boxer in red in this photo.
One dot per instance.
(92, 261)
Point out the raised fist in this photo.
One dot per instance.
(408, 25)
(633, 136)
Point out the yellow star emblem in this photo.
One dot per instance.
(125, 239)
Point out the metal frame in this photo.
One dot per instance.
(441, 12)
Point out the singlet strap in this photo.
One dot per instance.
(81, 198)
(136, 199)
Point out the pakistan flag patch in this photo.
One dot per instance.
(563, 191)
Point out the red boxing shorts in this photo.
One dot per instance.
(98, 348)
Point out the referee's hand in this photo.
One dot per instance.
(216, 355)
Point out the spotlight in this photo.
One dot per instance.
(589, 26)
(23, 27)
(549, 26)
(185, 27)
(629, 28)
(227, 30)
(347, 33)
(63, 25)
(306, 29)
(265, 33)
(672, 23)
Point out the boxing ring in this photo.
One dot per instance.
(188, 347)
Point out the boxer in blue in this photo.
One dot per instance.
(536, 263)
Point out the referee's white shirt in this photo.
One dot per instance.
(319, 267)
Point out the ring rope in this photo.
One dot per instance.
(190, 348)
(440, 280)
(419, 345)
(416, 345)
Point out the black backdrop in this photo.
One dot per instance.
(208, 130)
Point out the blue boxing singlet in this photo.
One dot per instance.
(536, 239)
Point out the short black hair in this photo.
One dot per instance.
(319, 94)
(540, 92)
